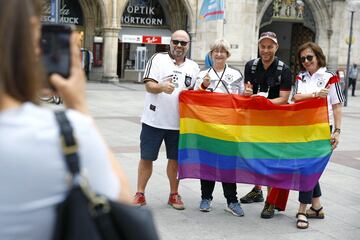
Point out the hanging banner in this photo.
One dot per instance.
(212, 10)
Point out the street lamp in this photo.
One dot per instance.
(348, 60)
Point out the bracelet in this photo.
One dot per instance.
(338, 130)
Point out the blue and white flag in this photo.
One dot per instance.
(212, 10)
(53, 10)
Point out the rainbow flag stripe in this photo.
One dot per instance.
(229, 138)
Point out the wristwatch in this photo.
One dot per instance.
(337, 130)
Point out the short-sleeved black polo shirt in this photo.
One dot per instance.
(266, 80)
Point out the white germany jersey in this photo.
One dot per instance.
(232, 80)
(162, 110)
(306, 83)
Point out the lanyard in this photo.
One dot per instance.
(220, 79)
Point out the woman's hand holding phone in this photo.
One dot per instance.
(72, 89)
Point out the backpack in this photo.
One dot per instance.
(279, 68)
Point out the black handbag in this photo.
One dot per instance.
(87, 215)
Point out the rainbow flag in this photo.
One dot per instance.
(230, 138)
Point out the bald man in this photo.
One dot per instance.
(166, 75)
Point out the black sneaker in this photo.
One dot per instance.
(255, 195)
(268, 211)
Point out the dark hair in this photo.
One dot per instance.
(20, 73)
(321, 59)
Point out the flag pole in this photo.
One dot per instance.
(224, 20)
(223, 28)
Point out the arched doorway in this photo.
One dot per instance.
(293, 22)
(86, 16)
(70, 13)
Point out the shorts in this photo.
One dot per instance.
(151, 139)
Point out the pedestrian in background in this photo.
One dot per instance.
(268, 76)
(220, 78)
(353, 75)
(87, 61)
(165, 76)
(315, 81)
(33, 173)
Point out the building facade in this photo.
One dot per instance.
(123, 34)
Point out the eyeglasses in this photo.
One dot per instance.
(182, 43)
(268, 34)
(221, 51)
(309, 58)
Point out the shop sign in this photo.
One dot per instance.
(131, 38)
(70, 12)
(145, 39)
(165, 40)
(143, 13)
(151, 39)
(98, 39)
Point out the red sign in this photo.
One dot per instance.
(151, 39)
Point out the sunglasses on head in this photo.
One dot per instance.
(268, 34)
(182, 43)
(309, 58)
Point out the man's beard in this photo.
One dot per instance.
(176, 53)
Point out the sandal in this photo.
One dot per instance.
(313, 213)
(299, 221)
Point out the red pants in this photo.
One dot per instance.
(278, 197)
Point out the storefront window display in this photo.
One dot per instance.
(144, 32)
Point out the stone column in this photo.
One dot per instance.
(110, 54)
(336, 41)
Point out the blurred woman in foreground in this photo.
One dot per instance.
(32, 168)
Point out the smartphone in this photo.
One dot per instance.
(55, 45)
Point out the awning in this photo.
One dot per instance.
(145, 35)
